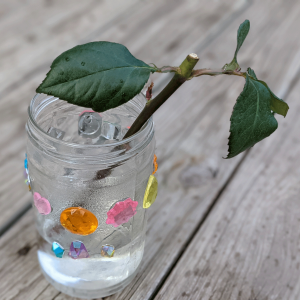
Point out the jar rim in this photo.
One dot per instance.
(124, 141)
(51, 144)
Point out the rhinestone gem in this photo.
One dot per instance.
(78, 250)
(151, 192)
(79, 220)
(42, 204)
(121, 212)
(108, 251)
(58, 249)
(25, 162)
(155, 165)
(28, 184)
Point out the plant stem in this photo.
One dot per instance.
(200, 72)
(183, 74)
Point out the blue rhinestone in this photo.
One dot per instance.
(25, 162)
(58, 249)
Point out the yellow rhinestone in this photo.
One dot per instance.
(151, 192)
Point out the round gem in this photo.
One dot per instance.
(79, 220)
(151, 192)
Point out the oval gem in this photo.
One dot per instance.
(150, 192)
(79, 220)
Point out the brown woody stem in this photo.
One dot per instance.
(183, 74)
(200, 72)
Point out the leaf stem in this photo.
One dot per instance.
(167, 69)
(183, 74)
(209, 72)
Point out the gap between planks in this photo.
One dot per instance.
(248, 247)
(208, 36)
(199, 150)
(288, 89)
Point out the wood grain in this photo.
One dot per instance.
(168, 226)
(210, 163)
(64, 28)
(194, 173)
(248, 248)
(28, 288)
(129, 28)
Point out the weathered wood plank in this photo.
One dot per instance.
(167, 224)
(207, 162)
(53, 29)
(14, 108)
(195, 173)
(38, 40)
(134, 29)
(248, 248)
(36, 285)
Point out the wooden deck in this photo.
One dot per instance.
(219, 229)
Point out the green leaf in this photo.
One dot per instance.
(241, 36)
(251, 73)
(277, 105)
(100, 75)
(252, 119)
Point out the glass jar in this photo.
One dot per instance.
(88, 187)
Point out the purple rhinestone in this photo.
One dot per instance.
(78, 250)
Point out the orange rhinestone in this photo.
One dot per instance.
(155, 164)
(79, 220)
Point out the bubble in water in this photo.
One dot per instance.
(89, 125)
(110, 131)
(56, 133)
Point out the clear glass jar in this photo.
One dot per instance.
(68, 169)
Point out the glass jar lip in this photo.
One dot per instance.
(146, 126)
